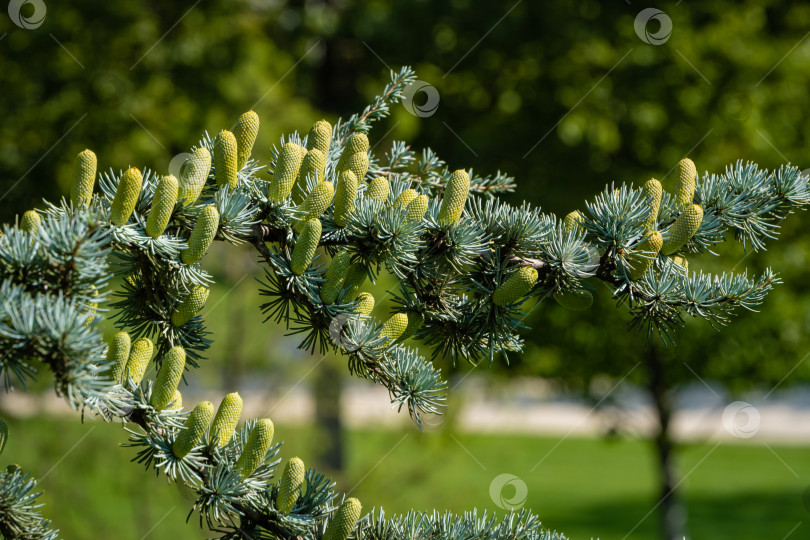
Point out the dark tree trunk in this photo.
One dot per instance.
(671, 509)
(327, 389)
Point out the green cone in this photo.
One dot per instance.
(417, 208)
(3, 434)
(356, 143)
(355, 277)
(196, 424)
(84, 178)
(455, 195)
(245, 132)
(226, 419)
(30, 221)
(204, 232)
(289, 488)
(256, 447)
(577, 300)
(684, 228)
(320, 137)
(335, 275)
(316, 203)
(358, 164)
(650, 246)
(140, 353)
(572, 221)
(286, 171)
(118, 354)
(225, 159)
(314, 166)
(395, 326)
(683, 262)
(192, 303)
(162, 206)
(365, 304)
(343, 520)
(193, 175)
(168, 377)
(415, 321)
(652, 191)
(516, 287)
(685, 182)
(177, 401)
(126, 196)
(305, 246)
(345, 196)
(405, 198)
(378, 189)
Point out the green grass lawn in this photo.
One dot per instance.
(585, 488)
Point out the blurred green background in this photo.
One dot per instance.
(566, 96)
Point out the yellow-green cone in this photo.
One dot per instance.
(639, 264)
(84, 178)
(685, 182)
(225, 159)
(316, 203)
(455, 195)
(30, 221)
(378, 189)
(335, 275)
(226, 419)
(118, 354)
(345, 195)
(683, 262)
(202, 235)
(405, 198)
(343, 520)
(4, 434)
(395, 326)
(305, 247)
(193, 175)
(358, 164)
(192, 303)
(177, 401)
(355, 277)
(196, 424)
(245, 132)
(572, 221)
(417, 208)
(320, 137)
(126, 196)
(256, 447)
(163, 203)
(652, 192)
(577, 300)
(140, 353)
(168, 377)
(314, 166)
(516, 287)
(289, 488)
(286, 171)
(415, 321)
(683, 229)
(365, 303)
(356, 143)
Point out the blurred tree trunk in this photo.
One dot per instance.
(328, 423)
(671, 510)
